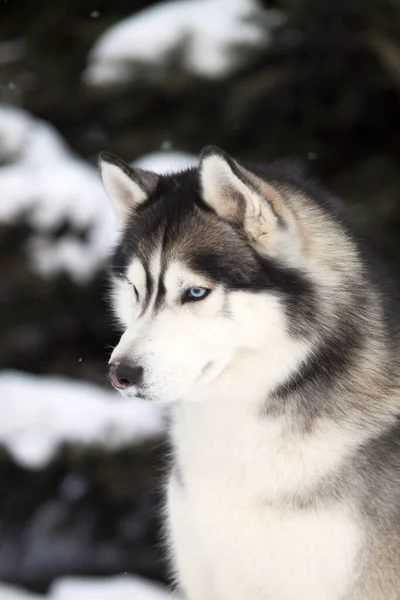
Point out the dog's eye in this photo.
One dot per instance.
(195, 293)
(134, 289)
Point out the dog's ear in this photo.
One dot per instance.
(126, 186)
(238, 195)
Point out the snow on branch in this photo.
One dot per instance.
(206, 33)
(40, 414)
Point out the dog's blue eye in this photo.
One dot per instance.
(196, 293)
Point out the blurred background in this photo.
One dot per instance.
(315, 81)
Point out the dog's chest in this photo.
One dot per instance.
(255, 546)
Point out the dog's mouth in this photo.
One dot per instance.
(132, 392)
(210, 371)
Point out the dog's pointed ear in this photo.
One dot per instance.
(126, 186)
(225, 188)
(239, 195)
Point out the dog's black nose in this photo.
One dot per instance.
(123, 376)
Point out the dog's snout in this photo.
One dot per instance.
(123, 376)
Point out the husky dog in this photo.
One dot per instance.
(246, 299)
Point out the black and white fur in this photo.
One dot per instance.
(284, 380)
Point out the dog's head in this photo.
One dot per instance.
(217, 272)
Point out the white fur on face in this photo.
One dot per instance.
(183, 347)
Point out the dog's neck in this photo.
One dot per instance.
(253, 375)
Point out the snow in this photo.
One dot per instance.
(39, 414)
(209, 32)
(167, 162)
(43, 182)
(14, 125)
(114, 588)
(28, 138)
(121, 587)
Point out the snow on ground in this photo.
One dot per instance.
(121, 587)
(38, 414)
(42, 182)
(208, 31)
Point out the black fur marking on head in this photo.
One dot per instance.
(161, 291)
(154, 218)
(259, 274)
(176, 217)
(149, 287)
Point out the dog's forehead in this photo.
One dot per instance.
(175, 226)
(179, 229)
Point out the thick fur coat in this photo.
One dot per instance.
(247, 302)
